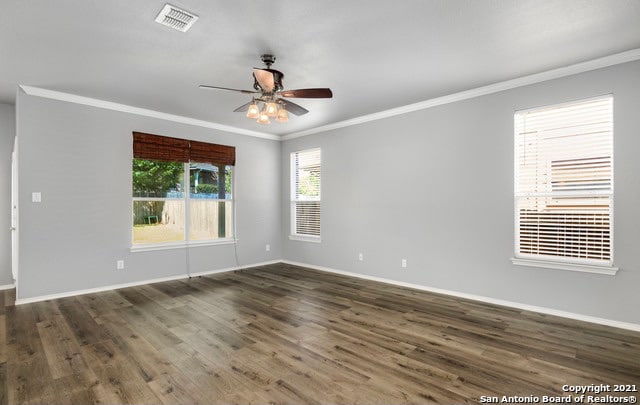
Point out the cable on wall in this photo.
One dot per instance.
(235, 250)
(235, 217)
(187, 261)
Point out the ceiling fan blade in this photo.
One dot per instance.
(307, 93)
(204, 86)
(293, 108)
(265, 79)
(243, 107)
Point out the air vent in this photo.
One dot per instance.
(178, 19)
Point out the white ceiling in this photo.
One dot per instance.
(373, 54)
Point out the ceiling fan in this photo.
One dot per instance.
(268, 95)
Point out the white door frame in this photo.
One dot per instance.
(14, 211)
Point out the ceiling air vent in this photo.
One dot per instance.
(173, 17)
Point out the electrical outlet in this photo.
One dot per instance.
(360, 256)
(120, 265)
(404, 263)
(267, 248)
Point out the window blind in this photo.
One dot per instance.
(212, 153)
(156, 147)
(564, 181)
(167, 149)
(306, 196)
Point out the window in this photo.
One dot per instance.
(564, 183)
(305, 194)
(182, 191)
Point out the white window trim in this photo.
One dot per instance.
(293, 235)
(180, 245)
(306, 238)
(559, 263)
(186, 243)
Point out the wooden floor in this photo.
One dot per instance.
(284, 334)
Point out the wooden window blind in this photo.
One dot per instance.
(564, 182)
(306, 174)
(164, 148)
(211, 153)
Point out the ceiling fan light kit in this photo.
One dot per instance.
(263, 118)
(272, 109)
(253, 112)
(270, 102)
(282, 116)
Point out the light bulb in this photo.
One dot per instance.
(253, 111)
(263, 119)
(282, 115)
(272, 109)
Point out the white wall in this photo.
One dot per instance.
(436, 187)
(79, 158)
(7, 133)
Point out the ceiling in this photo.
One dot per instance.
(374, 55)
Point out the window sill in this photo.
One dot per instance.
(585, 268)
(180, 245)
(313, 239)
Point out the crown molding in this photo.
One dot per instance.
(611, 60)
(109, 105)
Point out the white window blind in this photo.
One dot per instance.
(305, 193)
(564, 182)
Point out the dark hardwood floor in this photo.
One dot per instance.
(284, 334)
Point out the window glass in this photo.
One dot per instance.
(157, 179)
(162, 209)
(210, 205)
(306, 172)
(158, 205)
(564, 182)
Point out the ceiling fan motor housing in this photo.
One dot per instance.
(277, 81)
(268, 59)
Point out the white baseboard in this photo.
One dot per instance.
(21, 301)
(7, 287)
(480, 298)
(495, 301)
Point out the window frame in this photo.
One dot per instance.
(294, 235)
(178, 150)
(562, 262)
(140, 247)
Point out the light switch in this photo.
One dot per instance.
(36, 197)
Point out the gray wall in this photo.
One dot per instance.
(79, 158)
(7, 133)
(433, 186)
(436, 187)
